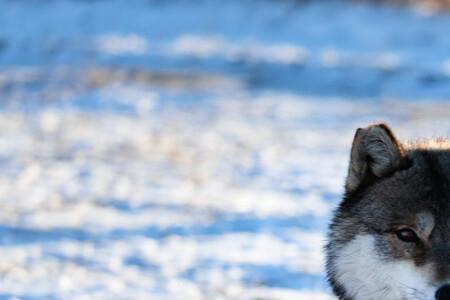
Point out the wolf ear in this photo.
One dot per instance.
(375, 152)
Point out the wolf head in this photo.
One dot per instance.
(390, 236)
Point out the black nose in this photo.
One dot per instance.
(443, 293)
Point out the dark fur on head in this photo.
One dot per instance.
(390, 184)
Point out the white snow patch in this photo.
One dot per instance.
(387, 61)
(115, 44)
(216, 46)
(446, 67)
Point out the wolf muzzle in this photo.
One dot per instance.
(443, 293)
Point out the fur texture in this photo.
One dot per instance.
(390, 236)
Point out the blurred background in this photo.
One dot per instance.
(195, 150)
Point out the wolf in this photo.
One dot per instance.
(390, 236)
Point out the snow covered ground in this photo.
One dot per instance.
(185, 150)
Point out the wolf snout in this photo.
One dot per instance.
(443, 293)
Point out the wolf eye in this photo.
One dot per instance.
(407, 235)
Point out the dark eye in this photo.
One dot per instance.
(407, 235)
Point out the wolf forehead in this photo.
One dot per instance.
(398, 182)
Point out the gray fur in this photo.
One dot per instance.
(375, 149)
(391, 186)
